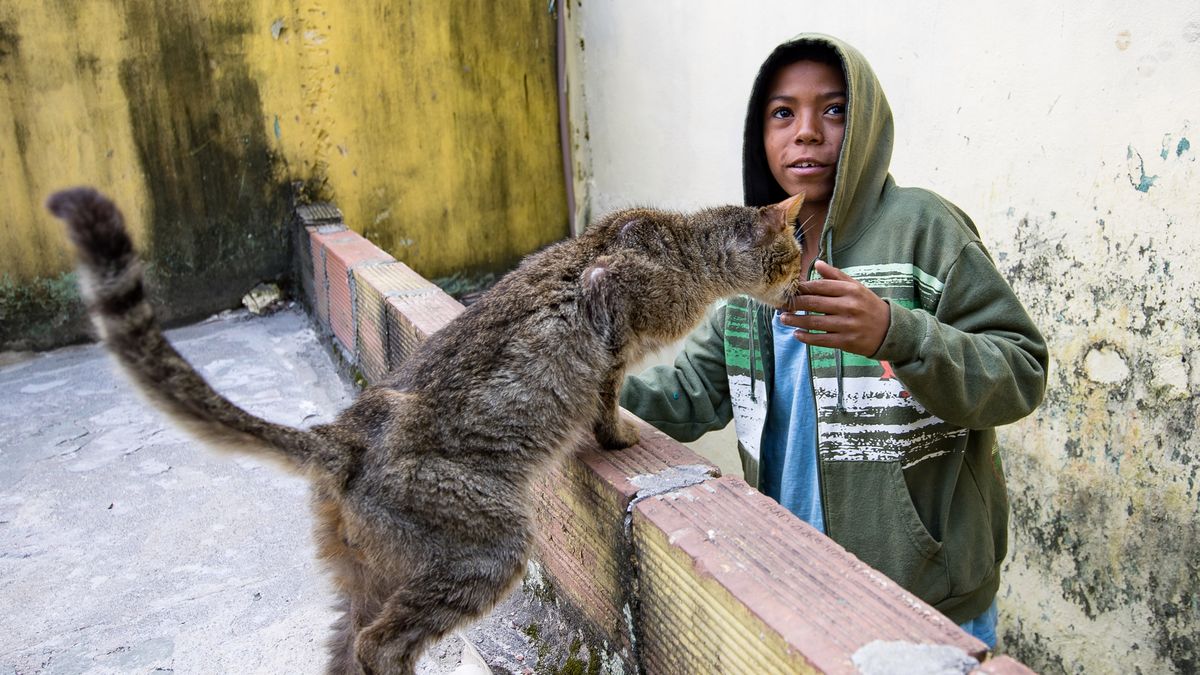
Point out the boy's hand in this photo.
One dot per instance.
(852, 317)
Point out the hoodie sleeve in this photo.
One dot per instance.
(691, 397)
(978, 361)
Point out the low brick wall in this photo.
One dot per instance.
(675, 568)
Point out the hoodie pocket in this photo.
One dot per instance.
(907, 517)
(871, 513)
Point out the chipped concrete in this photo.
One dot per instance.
(907, 658)
(668, 480)
(125, 546)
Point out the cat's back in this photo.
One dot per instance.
(505, 377)
(529, 311)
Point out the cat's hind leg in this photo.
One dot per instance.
(357, 602)
(342, 660)
(432, 604)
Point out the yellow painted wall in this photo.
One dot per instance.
(432, 125)
(435, 123)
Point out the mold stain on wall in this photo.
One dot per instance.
(1104, 476)
(218, 212)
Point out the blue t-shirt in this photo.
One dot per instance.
(789, 450)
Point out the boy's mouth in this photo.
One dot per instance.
(805, 167)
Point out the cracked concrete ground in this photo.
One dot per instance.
(125, 546)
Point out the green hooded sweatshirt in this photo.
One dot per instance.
(910, 471)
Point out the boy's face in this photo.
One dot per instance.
(804, 126)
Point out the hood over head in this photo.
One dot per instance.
(866, 152)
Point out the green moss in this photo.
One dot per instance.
(41, 313)
(360, 380)
(575, 665)
(464, 287)
(572, 666)
(533, 631)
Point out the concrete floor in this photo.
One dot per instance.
(126, 547)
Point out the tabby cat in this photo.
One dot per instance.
(423, 487)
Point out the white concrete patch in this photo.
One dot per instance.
(1105, 366)
(907, 658)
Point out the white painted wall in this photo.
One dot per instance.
(1042, 123)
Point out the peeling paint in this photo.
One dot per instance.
(1105, 500)
(1142, 183)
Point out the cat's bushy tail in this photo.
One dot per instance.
(112, 285)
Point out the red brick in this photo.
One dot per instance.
(415, 315)
(760, 588)
(372, 286)
(343, 251)
(310, 218)
(581, 513)
(320, 282)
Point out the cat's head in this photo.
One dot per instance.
(732, 249)
(760, 253)
(654, 270)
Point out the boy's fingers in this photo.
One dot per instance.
(818, 339)
(818, 322)
(814, 303)
(827, 287)
(830, 272)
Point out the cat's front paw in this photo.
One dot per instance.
(616, 434)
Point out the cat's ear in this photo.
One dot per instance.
(599, 288)
(630, 230)
(775, 218)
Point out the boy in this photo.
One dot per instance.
(868, 405)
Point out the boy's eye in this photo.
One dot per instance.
(836, 109)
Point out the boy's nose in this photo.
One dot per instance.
(807, 129)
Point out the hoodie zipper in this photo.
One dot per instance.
(828, 251)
